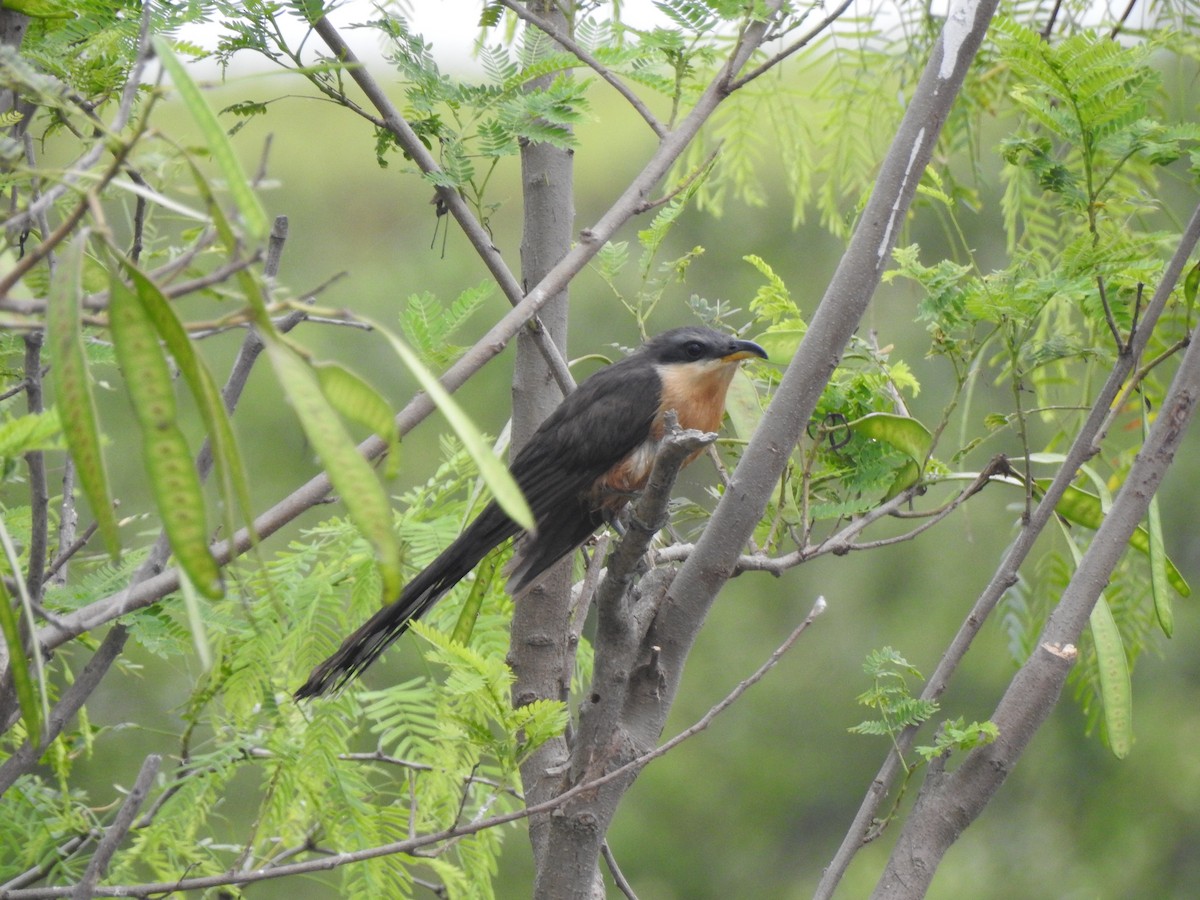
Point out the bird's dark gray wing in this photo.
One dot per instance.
(594, 429)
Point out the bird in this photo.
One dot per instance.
(578, 470)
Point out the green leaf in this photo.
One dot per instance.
(73, 386)
(169, 462)
(782, 341)
(359, 402)
(957, 736)
(351, 475)
(18, 665)
(42, 9)
(772, 301)
(1084, 508)
(906, 477)
(1191, 283)
(493, 472)
(904, 433)
(247, 202)
(195, 621)
(1113, 666)
(742, 404)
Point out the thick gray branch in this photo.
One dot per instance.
(542, 644)
(1085, 446)
(838, 315)
(946, 806)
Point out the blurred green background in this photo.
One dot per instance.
(756, 805)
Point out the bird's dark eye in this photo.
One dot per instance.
(693, 349)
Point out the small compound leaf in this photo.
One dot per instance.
(73, 387)
(32, 431)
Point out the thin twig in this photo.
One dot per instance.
(1108, 313)
(99, 300)
(478, 235)
(76, 545)
(35, 461)
(1117, 28)
(252, 344)
(1048, 28)
(26, 757)
(115, 832)
(799, 44)
(68, 522)
(572, 46)
(618, 876)
(139, 216)
(683, 185)
(843, 541)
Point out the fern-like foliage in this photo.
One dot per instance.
(447, 746)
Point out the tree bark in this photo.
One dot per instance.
(542, 652)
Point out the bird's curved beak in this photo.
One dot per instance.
(744, 350)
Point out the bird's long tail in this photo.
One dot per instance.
(365, 645)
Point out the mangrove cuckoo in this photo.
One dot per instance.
(578, 470)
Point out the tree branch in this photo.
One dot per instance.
(115, 832)
(1085, 446)
(946, 806)
(39, 494)
(797, 45)
(475, 232)
(26, 757)
(541, 647)
(559, 36)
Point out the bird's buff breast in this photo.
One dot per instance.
(696, 393)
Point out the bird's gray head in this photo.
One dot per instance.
(694, 343)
